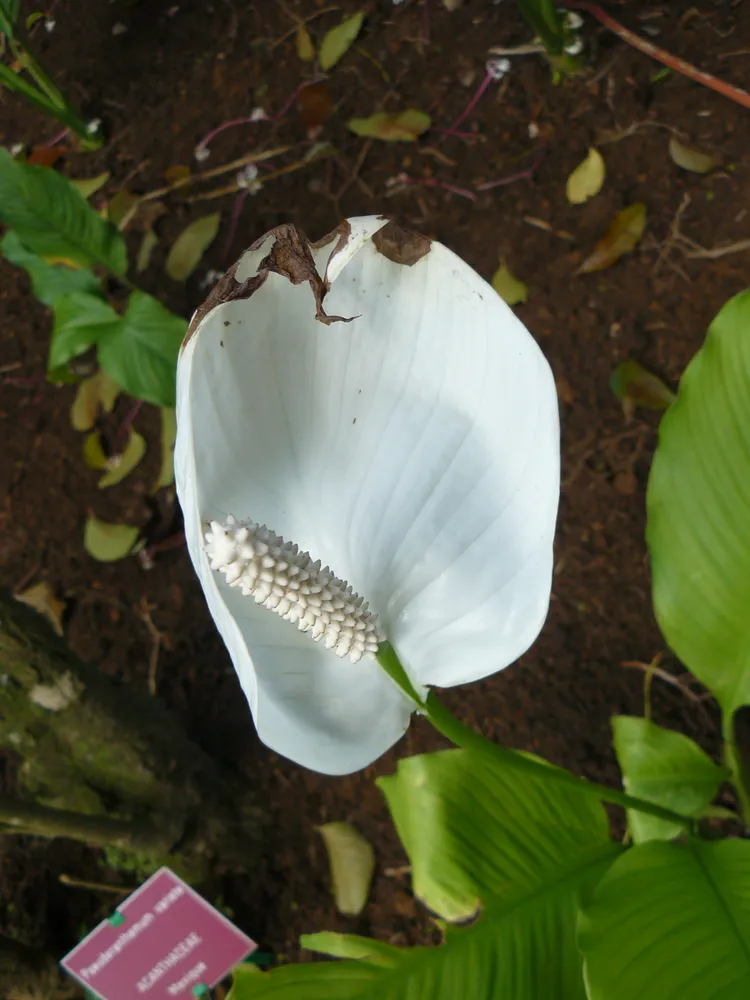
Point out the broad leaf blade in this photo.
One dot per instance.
(140, 353)
(49, 282)
(671, 920)
(80, 321)
(698, 527)
(666, 767)
(53, 220)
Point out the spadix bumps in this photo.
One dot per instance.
(376, 403)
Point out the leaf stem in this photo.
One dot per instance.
(468, 739)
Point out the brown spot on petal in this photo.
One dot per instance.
(402, 246)
(341, 233)
(290, 257)
(226, 289)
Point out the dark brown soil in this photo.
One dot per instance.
(180, 70)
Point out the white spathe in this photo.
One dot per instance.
(415, 450)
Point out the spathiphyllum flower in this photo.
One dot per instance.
(367, 449)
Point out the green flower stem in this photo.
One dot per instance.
(468, 739)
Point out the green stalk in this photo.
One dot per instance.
(468, 739)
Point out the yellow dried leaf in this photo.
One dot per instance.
(352, 862)
(90, 185)
(623, 235)
(404, 126)
(689, 158)
(339, 40)
(108, 542)
(41, 598)
(587, 178)
(190, 246)
(509, 287)
(98, 390)
(305, 47)
(123, 464)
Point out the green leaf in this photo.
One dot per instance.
(694, 160)
(49, 282)
(140, 353)
(402, 126)
(8, 16)
(167, 440)
(120, 466)
(339, 40)
(635, 386)
(671, 921)
(93, 451)
(352, 862)
(665, 767)
(108, 542)
(546, 22)
(623, 235)
(698, 527)
(587, 178)
(81, 320)
(190, 246)
(518, 846)
(53, 220)
(509, 287)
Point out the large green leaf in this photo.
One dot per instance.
(53, 220)
(80, 321)
(664, 767)
(140, 353)
(8, 16)
(671, 922)
(546, 21)
(698, 506)
(519, 850)
(49, 282)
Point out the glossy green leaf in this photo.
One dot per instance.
(190, 246)
(671, 922)
(81, 320)
(120, 466)
(337, 42)
(698, 513)
(665, 767)
(587, 178)
(108, 542)
(166, 440)
(140, 353)
(508, 287)
(401, 126)
(49, 282)
(53, 220)
(518, 849)
(352, 862)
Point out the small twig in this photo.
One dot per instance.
(233, 188)
(156, 639)
(300, 22)
(531, 48)
(366, 147)
(397, 871)
(528, 173)
(713, 253)
(661, 55)
(239, 204)
(401, 181)
(205, 175)
(76, 883)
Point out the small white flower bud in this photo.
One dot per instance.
(497, 67)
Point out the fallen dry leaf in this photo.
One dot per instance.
(190, 246)
(623, 235)
(689, 158)
(89, 185)
(509, 287)
(635, 386)
(352, 862)
(403, 126)
(149, 241)
(108, 542)
(120, 466)
(587, 178)
(337, 42)
(98, 390)
(305, 47)
(167, 439)
(42, 598)
(315, 105)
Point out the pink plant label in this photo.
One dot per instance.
(163, 942)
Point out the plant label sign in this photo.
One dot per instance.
(164, 942)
